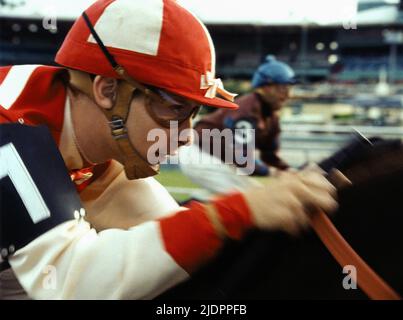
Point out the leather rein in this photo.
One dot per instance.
(368, 280)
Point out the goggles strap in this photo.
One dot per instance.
(101, 45)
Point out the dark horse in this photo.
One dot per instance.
(273, 265)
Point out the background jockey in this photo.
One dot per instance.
(259, 110)
(129, 67)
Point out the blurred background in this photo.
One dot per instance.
(347, 54)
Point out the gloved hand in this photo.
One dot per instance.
(284, 202)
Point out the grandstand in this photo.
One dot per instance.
(356, 53)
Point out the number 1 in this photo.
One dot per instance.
(13, 166)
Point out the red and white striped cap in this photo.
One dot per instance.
(158, 42)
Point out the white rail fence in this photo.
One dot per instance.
(311, 143)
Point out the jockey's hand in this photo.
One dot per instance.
(285, 201)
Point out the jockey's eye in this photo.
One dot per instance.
(179, 109)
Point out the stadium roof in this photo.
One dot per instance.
(251, 12)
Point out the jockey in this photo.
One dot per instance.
(258, 110)
(129, 67)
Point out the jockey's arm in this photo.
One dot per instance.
(74, 261)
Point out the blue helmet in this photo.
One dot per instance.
(273, 71)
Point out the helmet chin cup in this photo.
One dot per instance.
(137, 168)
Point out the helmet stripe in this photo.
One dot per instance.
(121, 16)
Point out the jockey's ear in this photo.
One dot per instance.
(105, 90)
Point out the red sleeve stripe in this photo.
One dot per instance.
(235, 215)
(190, 238)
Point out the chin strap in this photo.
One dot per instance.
(135, 166)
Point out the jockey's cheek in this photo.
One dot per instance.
(141, 128)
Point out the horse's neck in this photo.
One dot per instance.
(377, 166)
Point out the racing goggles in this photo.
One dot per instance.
(165, 107)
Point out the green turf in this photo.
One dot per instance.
(174, 178)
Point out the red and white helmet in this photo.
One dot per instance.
(158, 43)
